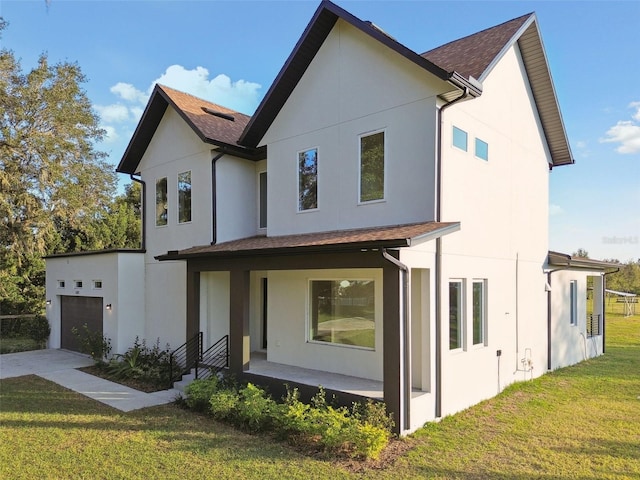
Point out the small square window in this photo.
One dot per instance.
(97, 284)
(77, 283)
(459, 138)
(482, 149)
(60, 283)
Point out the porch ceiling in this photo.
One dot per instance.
(394, 236)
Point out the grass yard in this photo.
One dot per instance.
(17, 344)
(581, 422)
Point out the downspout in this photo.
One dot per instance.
(438, 265)
(214, 191)
(143, 210)
(406, 338)
(604, 288)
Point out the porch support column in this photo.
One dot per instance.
(391, 345)
(193, 309)
(239, 346)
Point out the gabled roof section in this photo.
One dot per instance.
(305, 50)
(476, 55)
(393, 236)
(212, 123)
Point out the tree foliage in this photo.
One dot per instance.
(56, 190)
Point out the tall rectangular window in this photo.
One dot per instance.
(479, 312)
(308, 179)
(184, 197)
(342, 312)
(262, 196)
(455, 314)
(460, 138)
(573, 298)
(372, 167)
(161, 201)
(482, 149)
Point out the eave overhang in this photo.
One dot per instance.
(557, 259)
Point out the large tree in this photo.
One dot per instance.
(54, 184)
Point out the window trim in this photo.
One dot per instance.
(466, 138)
(483, 323)
(166, 202)
(259, 189)
(476, 149)
(309, 303)
(190, 172)
(384, 166)
(317, 207)
(461, 316)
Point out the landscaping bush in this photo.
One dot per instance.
(93, 343)
(150, 365)
(38, 329)
(199, 393)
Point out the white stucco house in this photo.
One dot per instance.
(380, 221)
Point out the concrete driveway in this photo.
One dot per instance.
(60, 366)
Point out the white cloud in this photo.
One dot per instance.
(626, 132)
(110, 134)
(113, 113)
(240, 95)
(136, 113)
(128, 92)
(555, 209)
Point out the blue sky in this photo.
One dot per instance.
(230, 52)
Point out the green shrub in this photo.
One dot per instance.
(93, 343)
(223, 404)
(254, 409)
(373, 413)
(38, 329)
(366, 440)
(150, 365)
(199, 393)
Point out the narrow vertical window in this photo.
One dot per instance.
(573, 295)
(262, 195)
(161, 202)
(372, 167)
(478, 312)
(482, 149)
(184, 197)
(308, 179)
(455, 314)
(459, 138)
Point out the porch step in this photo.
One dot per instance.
(186, 380)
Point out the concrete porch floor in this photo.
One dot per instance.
(363, 387)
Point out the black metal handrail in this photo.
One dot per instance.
(214, 359)
(593, 324)
(185, 357)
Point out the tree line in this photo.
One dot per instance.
(626, 279)
(57, 192)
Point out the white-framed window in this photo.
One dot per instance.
(456, 314)
(459, 138)
(161, 202)
(573, 299)
(61, 284)
(184, 197)
(479, 312)
(482, 149)
(342, 312)
(308, 179)
(77, 283)
(97, 284)
(262, 200)
(372, 167)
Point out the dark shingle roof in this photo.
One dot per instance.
(472, 55)
(223, 128)
(389, 236)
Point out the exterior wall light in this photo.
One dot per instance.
(108, 307)
(48, 302)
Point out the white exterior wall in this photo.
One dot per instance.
(353, 86)
(236, 199)
(214, 306)
(122, 277)
(570, 342)
(288, 320)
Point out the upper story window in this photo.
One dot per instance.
(262, 200)
(482, 149)
(184, 197)
(60, 283)
(161, 202)
(308, 179)
(97, 284)
(459, 138)
(77, 283)
(372, 167)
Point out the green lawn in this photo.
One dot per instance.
(581, 422)
(17, 344)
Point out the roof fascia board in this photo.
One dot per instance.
(441, 232)
(565, 260)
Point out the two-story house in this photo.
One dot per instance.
(379, 225)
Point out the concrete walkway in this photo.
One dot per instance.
(60, 366)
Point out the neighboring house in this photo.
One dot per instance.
(380, 224)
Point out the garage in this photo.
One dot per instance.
(74, 313)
